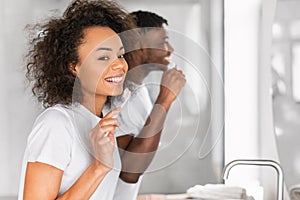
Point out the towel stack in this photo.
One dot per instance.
(217, 191)
(295, 192)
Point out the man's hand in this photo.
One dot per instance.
(172, 82)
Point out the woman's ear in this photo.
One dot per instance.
(74, 69)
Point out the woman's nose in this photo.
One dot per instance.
(119, 64)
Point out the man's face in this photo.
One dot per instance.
(156, 47)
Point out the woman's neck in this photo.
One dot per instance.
(94, 103)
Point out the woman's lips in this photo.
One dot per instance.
(116, 80)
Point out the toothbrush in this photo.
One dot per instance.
(172, 65)
(126, 96)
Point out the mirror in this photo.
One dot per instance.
(201, 24)
(186, 145)
(285, 66)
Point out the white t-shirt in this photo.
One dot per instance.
(135, 112)
(60, 138)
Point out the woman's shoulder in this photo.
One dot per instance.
(54, 121)
(57, 114)
(52, 138)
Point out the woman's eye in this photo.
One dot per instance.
(121, 56)
(103, 58)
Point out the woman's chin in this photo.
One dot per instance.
(117, 91)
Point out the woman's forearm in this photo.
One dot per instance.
(87, 183)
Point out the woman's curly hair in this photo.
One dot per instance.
(55, 48)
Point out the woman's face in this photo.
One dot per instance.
(101, 68)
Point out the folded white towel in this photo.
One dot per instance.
(295, 192)
(217, 191)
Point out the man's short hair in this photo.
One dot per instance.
(148, 19)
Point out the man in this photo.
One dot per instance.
(143, 117)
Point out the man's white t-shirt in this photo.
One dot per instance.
(135, 112)
(60, 138)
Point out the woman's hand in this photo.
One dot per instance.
(103, 141)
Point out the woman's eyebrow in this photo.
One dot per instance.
(104, 49)
(107, 49)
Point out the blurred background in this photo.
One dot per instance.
(285, 63)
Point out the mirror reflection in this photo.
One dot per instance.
(285, 66)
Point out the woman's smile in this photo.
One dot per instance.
(116, 79)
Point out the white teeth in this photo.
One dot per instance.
(115, 79)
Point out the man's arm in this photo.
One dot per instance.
(138, 152)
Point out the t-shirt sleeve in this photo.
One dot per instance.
(134, 114)
(127, 191)
(50, 140)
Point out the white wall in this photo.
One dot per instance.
(242, 33)
(268, 147)
(267, 143)
(241, 69)
(249, 132)
(18, 108)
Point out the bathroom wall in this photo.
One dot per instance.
(241, 93)
(283, 60)
(249, 132)
(18, 108)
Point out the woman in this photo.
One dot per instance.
(75, 63)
